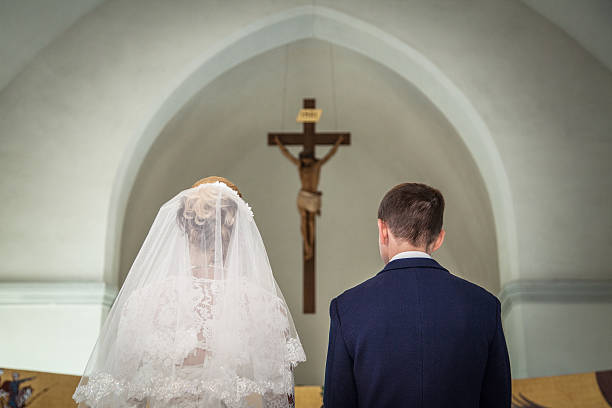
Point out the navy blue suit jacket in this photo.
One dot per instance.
(416, 336)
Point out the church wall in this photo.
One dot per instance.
(51, 326)
(558, 327)
(554, 350)
(533, 108)
(571, 17)
(67, 120)
(26, 27)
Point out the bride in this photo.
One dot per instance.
(199, 320)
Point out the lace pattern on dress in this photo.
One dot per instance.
(141, 369)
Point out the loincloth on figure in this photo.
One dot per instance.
(309, 201)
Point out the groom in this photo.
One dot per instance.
(415, 335)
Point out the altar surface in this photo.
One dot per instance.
(585, 390)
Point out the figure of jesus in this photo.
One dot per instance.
(309, 198)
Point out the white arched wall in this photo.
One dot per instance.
(341, 29)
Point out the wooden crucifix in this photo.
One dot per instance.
(309, 168)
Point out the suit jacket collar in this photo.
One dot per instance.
(405, 263)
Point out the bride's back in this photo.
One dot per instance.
(200, 315)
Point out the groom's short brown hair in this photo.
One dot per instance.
(413, 212)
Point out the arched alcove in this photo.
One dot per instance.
(346, 31)
(398, 136)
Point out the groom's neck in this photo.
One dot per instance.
(394, 250)
(400, 245)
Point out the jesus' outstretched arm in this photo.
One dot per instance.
(332, 151)
(286, 152)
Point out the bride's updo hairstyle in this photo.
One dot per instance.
(196, 215)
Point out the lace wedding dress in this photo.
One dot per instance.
(200, 320)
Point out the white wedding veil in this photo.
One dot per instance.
(199, 320)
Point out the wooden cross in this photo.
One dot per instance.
(309, 199)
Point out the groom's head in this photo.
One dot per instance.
(410, 219)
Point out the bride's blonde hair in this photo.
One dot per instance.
(197, 211)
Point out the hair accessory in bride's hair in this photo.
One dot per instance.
(231, 191)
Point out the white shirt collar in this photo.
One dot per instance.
(410, 254)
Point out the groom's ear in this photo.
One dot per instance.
(439, 240)
(383, 232)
